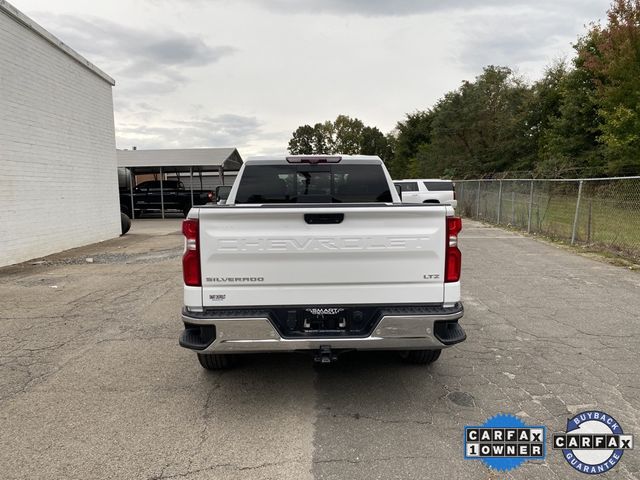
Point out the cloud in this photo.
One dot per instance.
(377, 8)
(499, 32)
(150, 62)
(149, 67)
(207, 131)
(226, 130)
(529, 38)
(181, 50)
(227, 124)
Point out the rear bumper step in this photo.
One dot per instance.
(449, 333)
(197, 337)
(245, 331)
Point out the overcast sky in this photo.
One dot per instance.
(246, 73)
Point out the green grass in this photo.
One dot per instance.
(611, 225)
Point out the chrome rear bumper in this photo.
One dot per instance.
(392, 332)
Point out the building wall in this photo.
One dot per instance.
(58, 176)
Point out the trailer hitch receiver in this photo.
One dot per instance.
(325, 355)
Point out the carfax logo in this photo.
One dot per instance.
(594, 442)
(504, 442)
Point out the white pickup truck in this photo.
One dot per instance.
(317, 253)
(428, 190)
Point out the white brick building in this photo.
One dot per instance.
(58, 176)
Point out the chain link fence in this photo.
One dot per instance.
(600, 212)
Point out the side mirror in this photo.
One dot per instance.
(399, 190)
(222, 193)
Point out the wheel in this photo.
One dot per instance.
(216, 361)
(420, 357)
(125, 223)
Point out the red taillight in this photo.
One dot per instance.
(191, 257)
(210, 196)
(453, 260)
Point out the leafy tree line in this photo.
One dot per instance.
(345, 135)
(582, 118)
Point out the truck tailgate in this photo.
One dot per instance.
(290, 255)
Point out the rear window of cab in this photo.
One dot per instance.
(325, 183)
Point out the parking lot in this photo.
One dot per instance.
(94, 385)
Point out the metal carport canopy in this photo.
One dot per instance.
(180, 160)
(187, 160)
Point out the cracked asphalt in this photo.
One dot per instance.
(94, 385)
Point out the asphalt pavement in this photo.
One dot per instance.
(93, 384)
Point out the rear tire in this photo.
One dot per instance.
(125, 223)
(420, 357)
(216, 361)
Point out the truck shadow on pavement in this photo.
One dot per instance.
(376, 386)
(365, 408)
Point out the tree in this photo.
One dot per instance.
(611, 55)
(374, 142)
(345, 135)
(480, 128)
(303, 140)
(316, 139)
(545, 102)
(568, 142)
(411, 133)
(348, 135)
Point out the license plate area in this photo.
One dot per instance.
(324, 321)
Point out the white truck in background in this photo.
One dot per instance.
(428, 190)
(317, 253)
